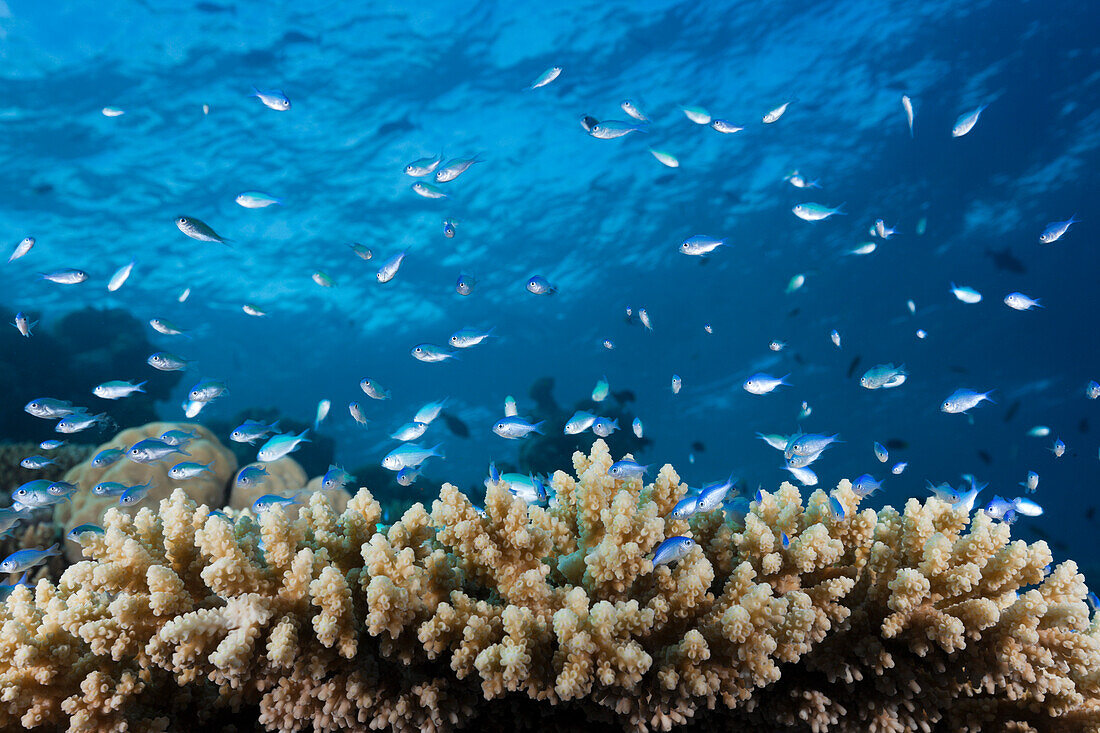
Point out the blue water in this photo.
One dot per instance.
(374, 89)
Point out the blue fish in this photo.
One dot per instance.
(22, 560)
(267, 502)
(672, 550)
(627, 469)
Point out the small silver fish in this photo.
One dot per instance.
(965, 123)
(811, 211)
(373, 389)
(390, 267)
(36, 462)
(356, 411)
(80, 421)
(409, 431)
(361, 251)
(761, 383)
(546, 77)
(151, 450)
(454, 169)
(253, 310)
(428, 191)
(963, 399)
(677, 383)
(1021, 302)
(465, 284)
(700, 245)
(166, 327)
(187, 470)
(117, 389)
(431, 353)
(637, 427)
(627, 469)
(604, 427)
(280, 445)
(256, 200)
(725, 127)
(539, 285)
(581, 421)
(198, 229)
(516, 427)
(24, 324)
(466, 337)
(775, 114)
(613, 129)
(120, 276)
(632, 109)
(672, 550)
(22, 248)
(66, 276)
(1056, 229)
(17, 562)
(907, 104)
(166, 362)
(274, 99)
(696, 114)
(423, 166)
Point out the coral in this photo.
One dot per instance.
(922, 619)
(209, 488)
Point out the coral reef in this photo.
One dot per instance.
(208, 488)
(920, 619)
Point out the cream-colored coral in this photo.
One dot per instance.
(924, 619)
(206, 488)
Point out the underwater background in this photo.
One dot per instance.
(375, 88)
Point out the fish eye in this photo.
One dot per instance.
(182, 220)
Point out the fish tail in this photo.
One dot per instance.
(138, 387)
(988, 398)
(437, 450)
(302, 436)
(537, 427)
(839, 209)
(54, 549)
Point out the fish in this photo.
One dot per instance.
(187, 470)
(1026, 507)
(805, 476)
(449, 228)
(1059, 448)
(252, 430)
(539, 285)
(811, 211)
(361, 251)
(49, 408)
(273, 99)
(666, 159)
(529, 488)
(117, 389)
(76, 532)
(834, 336)
(698, 115)
(866, 485)
(613, 129)
(884, 376)
(107, 456)
(864, 249)
(1039, 431)
(604, 426)
(637, 428)
(599, 392)
(206, 390)
(431, 353)
(23, 560)
(356, 411)
(1021, 302)
(775, 440)
(465, 284)
(966, 121)
(966, 294)
(166, 362)
(881, 453)
(22, 248)
(806, 444)
(632, 109)
(700, 245)
(588, 122)
(269, 502)
(516, 427)
(464, 338)
(797, 180)
(707, 328)
(725, 127)
(51, 444)
(777, 345)
(409, 431)
(775, 114)
(1056, 229)
(685, 507)
(183, 295)
(429, 412)
(198, 230)
(167, 328)
(796, 282)
(672, 550)
(581, 421)
(390, 267)
(626, 469)
(373, 389)
(323, 406)
(178, 437)
(80, 421)
(898, 468)
(336, 478)
(323, 279)
(907, 104)
(546, 77)
(836, 509)
(151, 450)
(761, 383)
(423, 166)
(134, 494)
(454, 169)
(65, 276)
(963, 399)
(24, 324)
(120, 276)
(711, 496)
(427, 190)
(676, 384)
(1032, 482)
(36, 462)
(250, 475)
(609, 344)
(256, 200)
(280, 445)
(407, 475)
(253, 310)
(884, 231)
(643, 316)
(410, 454)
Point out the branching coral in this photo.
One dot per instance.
(923, 619)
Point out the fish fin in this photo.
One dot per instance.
(54, 549)
(138, 387)
(537, 427)
(437, 449)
